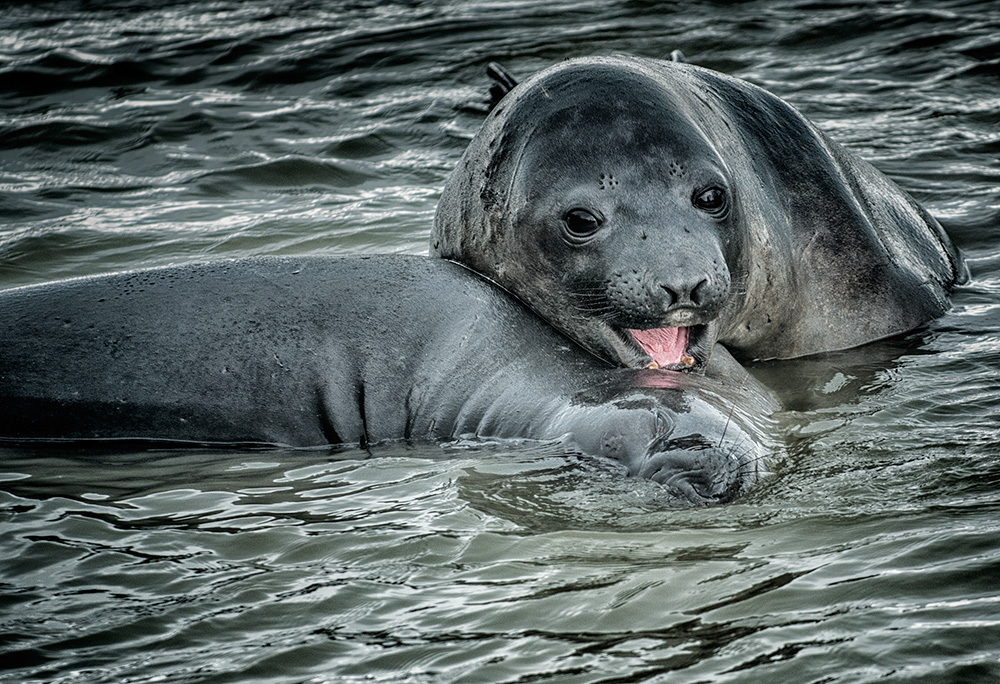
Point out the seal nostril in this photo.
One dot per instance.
(698, 293)
(685, 295)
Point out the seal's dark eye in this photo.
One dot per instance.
(712, 200)
(581, 224)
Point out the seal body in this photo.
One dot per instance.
(313, 351)
(621, 194)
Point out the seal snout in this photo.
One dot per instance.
(696, 293)
(684, 295)
(642, 299)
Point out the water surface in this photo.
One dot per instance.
(133, 135)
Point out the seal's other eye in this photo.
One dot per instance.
(580, 224)
(712, 201)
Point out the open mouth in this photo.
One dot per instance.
(680, 349)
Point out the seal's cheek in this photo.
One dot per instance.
(562, 241)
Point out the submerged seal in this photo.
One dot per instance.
(649, 208)
(318, 351)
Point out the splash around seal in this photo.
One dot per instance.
(635, 202)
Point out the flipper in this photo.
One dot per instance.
(503, 82)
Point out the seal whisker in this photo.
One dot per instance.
(748, 458)
(739, 283)
(595, 306)
(586, 305)
(594, 294)
(729, 418)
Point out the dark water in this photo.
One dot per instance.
(134, 135)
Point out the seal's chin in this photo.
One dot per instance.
(684, 348)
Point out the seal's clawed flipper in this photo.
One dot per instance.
(503, 82)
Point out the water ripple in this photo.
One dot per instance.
(134, 136)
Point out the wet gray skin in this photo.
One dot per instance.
(615, 194)
(309, 352)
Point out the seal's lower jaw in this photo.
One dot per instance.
(684, 348)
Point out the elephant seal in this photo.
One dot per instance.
(315, 351)
(648, 208)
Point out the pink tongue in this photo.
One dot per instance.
(666, 346)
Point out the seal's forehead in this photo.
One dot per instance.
(605, 103)
(615, 83)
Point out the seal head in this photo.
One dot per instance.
(647, 208)
(606, 214)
